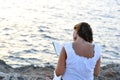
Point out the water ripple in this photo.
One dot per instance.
(26, 38)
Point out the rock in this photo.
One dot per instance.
(2, 77)
(2, 62)
(12, 78)
(110, 73)
(21, 78)
(24, 69)
(31, 72)
(4, 67)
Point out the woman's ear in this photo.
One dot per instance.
(74, 35)
(74, 38)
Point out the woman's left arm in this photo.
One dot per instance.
(61, 65)
(97, 68)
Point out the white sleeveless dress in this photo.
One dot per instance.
(79, 67)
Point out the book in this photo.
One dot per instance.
(57, 47)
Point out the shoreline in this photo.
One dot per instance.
(108, 72)
(29, 72)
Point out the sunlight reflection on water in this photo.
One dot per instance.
(27, 28)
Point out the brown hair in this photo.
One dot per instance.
(84, 31)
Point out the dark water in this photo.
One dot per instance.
(27, 28)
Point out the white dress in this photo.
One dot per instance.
(79, 67)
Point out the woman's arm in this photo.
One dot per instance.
(61, 63)
(97, 68)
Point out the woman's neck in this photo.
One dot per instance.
(80, 40)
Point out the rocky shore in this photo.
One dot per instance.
(29, 72)
(108, 72)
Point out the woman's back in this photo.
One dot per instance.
(83, 48)
(79, 67)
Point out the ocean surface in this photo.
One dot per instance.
(28, 27)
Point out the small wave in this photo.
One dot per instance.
(107, 16)
(118, 2)
(45, 51)
(23, 35)
(41, 30)
(23, 59)
(30, 51)
(33, 59)
(48, 36)
(16, 58)
(112, 52)
(118, 35)
(112, 28)
(2, 46)
(6, 29)
(23, 40)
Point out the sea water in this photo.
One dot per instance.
(28, 27)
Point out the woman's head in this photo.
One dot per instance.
(84, 31)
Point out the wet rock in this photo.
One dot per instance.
(25, 68)
(21, 78)
(110, 73)
(31, 72)
(2, 77)
(4, 67)
(12, 78)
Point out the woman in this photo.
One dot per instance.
(80, 59)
